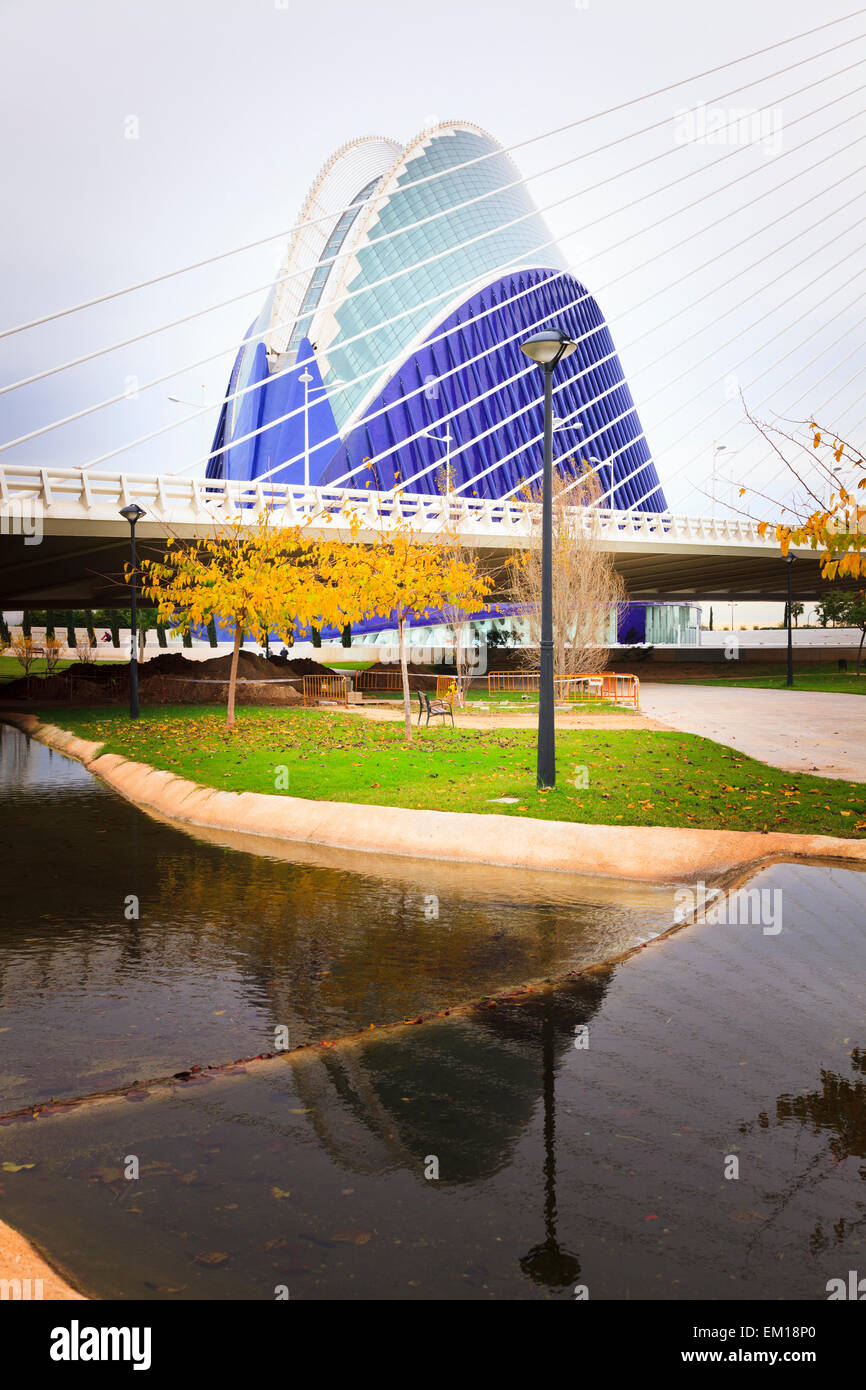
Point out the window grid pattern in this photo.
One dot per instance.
(439, 280)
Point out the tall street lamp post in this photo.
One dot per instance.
(547, 348)
(717, 449)
(306, 378)
(132, 514)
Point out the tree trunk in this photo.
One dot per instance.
(233, 679)
(404, 669)
(860, 650)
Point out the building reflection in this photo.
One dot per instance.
(462, 1088)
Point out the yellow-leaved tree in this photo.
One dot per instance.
(401, 571)
(828, 512)
(254, 577)
(260, 577)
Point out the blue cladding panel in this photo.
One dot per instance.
(494, 446)
(631, 623)
(489, 399)
(278, 396)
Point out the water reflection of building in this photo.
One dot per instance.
(319, 949)
(462, 1088)
(463, 1091)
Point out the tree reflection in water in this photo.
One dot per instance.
(835, 1113)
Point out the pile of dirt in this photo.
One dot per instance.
(169, 664)
(78, 684)
(419, 678)
(303, 666)
(170, 678)
(260, 682)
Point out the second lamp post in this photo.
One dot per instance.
(547, 348)
(133, 513)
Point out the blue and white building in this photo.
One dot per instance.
(387, 353)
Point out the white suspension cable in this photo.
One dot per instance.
(479, 159)
(343, 386)
(827, 348)
(620, 483)
(440, 255)
(771, 481)
(731, 309)
(446, 419)
(775, 390)
(397, 360)
(855, 402)
(715, 410)
(452, 415)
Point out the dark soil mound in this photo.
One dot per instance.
(260, 682)
(304, 666)
(169, 679)
(170, 664)
(419, 679)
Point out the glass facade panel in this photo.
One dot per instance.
(673, 624)
(440, 280)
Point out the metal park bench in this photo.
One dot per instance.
(435, 708)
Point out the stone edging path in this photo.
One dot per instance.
(646, 854)
(21, 1260)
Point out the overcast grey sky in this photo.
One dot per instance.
(239, 102)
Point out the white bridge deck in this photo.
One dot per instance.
(660, 555)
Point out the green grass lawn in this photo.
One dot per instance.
(482, 703)
(635, 777)
(828, 678)
(12, 670)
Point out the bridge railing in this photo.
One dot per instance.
(78, 494)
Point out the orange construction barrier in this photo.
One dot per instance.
(614, 687)
(378, 680)
(325, 688)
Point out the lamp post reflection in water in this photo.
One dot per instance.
(548, 1263)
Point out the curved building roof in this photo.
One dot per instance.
(417, 263)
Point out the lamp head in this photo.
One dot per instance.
(548, 347)
(132, 513)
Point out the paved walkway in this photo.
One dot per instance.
(469, 718)
(798, 730)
